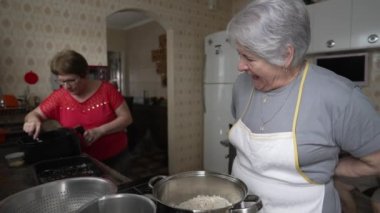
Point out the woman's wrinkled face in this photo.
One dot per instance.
(71, 83)
(265, 76)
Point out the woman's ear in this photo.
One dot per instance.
(289, 54)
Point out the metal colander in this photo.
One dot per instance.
(66, 195)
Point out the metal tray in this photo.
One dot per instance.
(69, 167)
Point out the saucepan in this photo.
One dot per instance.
(120, 203)
(202, 191)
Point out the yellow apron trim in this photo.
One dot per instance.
(295, 118)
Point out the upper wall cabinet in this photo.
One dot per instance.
(365, 24)
(330, 25)
(344, 25)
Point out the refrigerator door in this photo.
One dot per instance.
(217, 118)
(221, 59)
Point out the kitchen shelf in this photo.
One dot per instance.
(11, 121)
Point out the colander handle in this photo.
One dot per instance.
(251, 204)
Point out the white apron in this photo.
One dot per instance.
(268, 165)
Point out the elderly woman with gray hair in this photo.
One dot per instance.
(293, 118)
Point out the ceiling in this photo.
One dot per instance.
(125, 20)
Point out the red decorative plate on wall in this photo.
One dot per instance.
(31, 77)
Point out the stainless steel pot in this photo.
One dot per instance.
(120, 203)
(170, 191)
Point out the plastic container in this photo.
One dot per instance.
(15, 159)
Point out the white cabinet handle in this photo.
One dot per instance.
(330, 43)
(373, 38)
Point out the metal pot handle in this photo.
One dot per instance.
(251, 204)
(154, 180)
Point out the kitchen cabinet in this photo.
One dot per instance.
(365, 24)
(330, 25)
(344, 25)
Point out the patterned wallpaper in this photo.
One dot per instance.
(31, 32)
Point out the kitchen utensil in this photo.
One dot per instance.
(120, 203)
(170, 191)
(65, 196)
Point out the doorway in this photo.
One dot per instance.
(140, 73)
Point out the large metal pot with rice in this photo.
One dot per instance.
(202, 191)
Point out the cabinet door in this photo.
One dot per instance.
(330, 26)
(365, 24)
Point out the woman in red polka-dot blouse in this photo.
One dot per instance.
(95, 105)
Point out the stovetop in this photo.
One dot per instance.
(140, 187)
(60, 168)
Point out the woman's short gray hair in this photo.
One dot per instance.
(267, 27)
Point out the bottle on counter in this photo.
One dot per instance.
(2, 102)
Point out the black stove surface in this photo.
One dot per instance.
(140, 187)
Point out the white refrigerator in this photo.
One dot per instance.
(220, 74)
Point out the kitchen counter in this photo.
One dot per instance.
(15, 179)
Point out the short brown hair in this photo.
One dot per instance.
(69, 62)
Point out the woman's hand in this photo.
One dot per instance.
(122, 120)
(32, 128)
(33, 122)
(91, 135)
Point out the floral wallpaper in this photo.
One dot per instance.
(31, 32)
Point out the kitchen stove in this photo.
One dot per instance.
(139, 187)
(77, 166)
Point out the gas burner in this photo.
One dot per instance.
(51, 170)
(140, 187)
